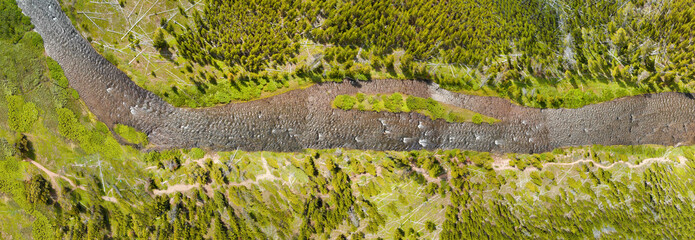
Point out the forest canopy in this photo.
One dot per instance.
(251, 33)
(588, 32)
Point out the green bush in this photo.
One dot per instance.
(91, 141)
(435, 108)
(34, 40)
(56, 73)
(196, 153)
(360, 97)
(335, 74)
(477, 118)
(389, 62)
(455, 117)
(42, 227)
(68, 126)
(345, 102)
(574, 99)
(131, 135)
(407, 64)
(21, 115)
(416, 103)
(110, 57)
(223, 97)
(394, 103)
(6, 150)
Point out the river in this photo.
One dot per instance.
(304, 118)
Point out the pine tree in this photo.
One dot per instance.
(219, 229)
(159, 42)
(38, 190)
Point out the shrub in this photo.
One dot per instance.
(68, 126)
(272, 162)
(345, 102)
(430, 226)
(407, 64)
(377, 63)
(110, 57)
(531, 187)
(42, 227)
(223, 97)
(335, 74)
(574, 99)
(34, 40)
(416, 103)
(435, 108)
(361, 107)
(361, 97)
(394, 103)
(389, 62)
(152, 157)
(218, 176)
(196, 153)
(21, 115)
(455, 117)
(131, 135)
(6, 150)
(24, 147)
(477, 118)
(271, 86)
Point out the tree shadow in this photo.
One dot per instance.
(25, 147)
(167, 54)
(391, 70)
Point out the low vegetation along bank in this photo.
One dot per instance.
(398, 103)
(131, 135)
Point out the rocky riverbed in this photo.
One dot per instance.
(304, 118)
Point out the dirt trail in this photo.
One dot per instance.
(267, 176)
(503, 164)
(52, 177)
(499, 164)
(629, 165)
(176, 188)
